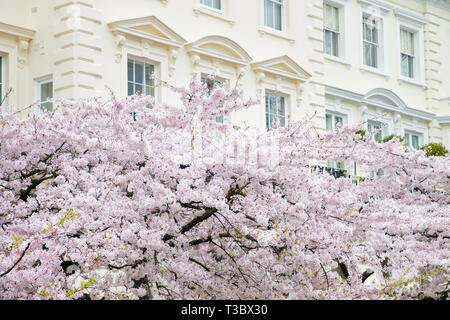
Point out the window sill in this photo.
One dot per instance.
(213, 13)
(273, 32)
(364, 68)
(402, 79)
(338, 59)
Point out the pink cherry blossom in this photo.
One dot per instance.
(172, 205)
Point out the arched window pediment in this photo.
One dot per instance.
(384, 97)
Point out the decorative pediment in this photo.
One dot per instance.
(219, 48)
(384, 98)
(283, 67)
(149, 28)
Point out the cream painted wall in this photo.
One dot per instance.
(74, 42)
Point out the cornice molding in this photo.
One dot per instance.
(397, 106)
(20, 32)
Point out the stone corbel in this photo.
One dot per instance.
(119, 40)
(240, 73)
(363, 113)
(260, 77)
(173, 55)
(299, 88)
(216, 63)
(396, 119)
(195, 61)
(23, 46)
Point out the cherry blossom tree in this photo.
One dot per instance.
(169, 204)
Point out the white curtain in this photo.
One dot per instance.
(407, 42)
(331, 17)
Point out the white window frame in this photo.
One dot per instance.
(2, 76)
(282, 3)
(373, 9)
(269, 126)
(332, 163)
(415, 25)
(414, 128)
(342, 6)
(207, 7)
(144, 61)
(333, 117)
(38, 92)
(375, 123)
(419, 135)
(412, 57)
(217, 80)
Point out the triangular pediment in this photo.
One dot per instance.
(150, 28)
(219, 47)
(282, 66)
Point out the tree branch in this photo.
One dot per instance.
(15, 264)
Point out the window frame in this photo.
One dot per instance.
(342, 53)
(217, 80)
(281, 3)
(371, 43)
(2, 76)
(411, 58)
(377, 11)
(38, 90)
(411, 133)
(341, 165)
(333, 115)
(144, 62)
(375, 124)
(415, 27)
(286, 109)
(207, 7)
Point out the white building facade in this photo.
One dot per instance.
(384, 63)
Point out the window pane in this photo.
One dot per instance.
(1, 78)
(370, 55)
(278, 17)
(338, 120)
(130, 89)
(138, 72)
(331, 17)
(335, 42)
(138, 88)
(149, 91)
(329, 123)
(411, 67)
(374, 55)
(130, 70)
(407, 139)
(406, 42)
(367, 35)
(275, 110)
(407, 65)
(206, 2)
(415, 141)
(374, 32)
(327, 41)
(268, 13)
(47, 93)
(217, 4)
